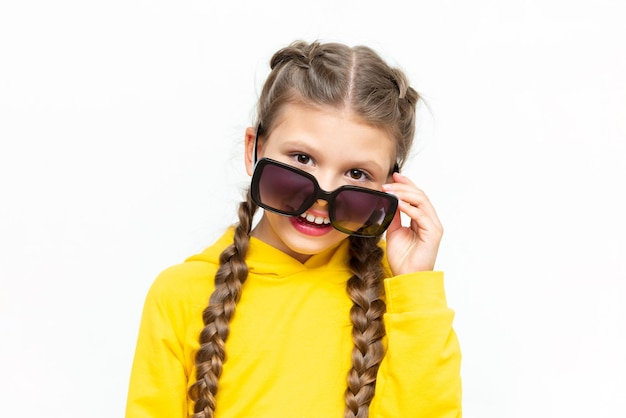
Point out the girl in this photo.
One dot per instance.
(309, 314)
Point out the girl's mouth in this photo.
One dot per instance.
(315, 220)
(311, 225)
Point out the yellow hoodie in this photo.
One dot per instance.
(289, 349)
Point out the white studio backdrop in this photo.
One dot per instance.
(121, 129)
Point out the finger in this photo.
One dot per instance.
(408, 191)
(422, 223)
(405, 190)
(420, 201)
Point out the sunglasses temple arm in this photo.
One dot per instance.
(256, 141)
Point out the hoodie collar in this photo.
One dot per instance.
(263, 259)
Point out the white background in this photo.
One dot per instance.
(121, 129)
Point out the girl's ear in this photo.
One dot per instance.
(249, 151)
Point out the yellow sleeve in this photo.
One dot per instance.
(158, 380)
(420, 373)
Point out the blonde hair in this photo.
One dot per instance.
(319, 74)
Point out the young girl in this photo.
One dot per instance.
(309, 314)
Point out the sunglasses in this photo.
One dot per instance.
(286, 190)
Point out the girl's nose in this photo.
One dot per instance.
(328, 181)
(321, 202)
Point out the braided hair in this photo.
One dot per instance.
(229, 278)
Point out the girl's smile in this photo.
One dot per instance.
(311, 225)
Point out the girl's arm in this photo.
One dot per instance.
(420, 373)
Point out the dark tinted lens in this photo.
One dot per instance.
(361, 211)
(284, 190)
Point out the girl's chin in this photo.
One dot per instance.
(297, 238)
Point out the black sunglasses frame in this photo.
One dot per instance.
(319, 193)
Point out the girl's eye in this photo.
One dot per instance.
(303, 158)
(357, 174)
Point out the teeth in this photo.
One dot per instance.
(319, 220)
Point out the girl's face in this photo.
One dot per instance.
(338, 149)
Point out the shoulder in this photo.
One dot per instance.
(191, 282)
(181, 289)
(183, 277)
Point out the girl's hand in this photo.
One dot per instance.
(412, 248)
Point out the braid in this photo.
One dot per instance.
(365, 289)
(229, 279)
